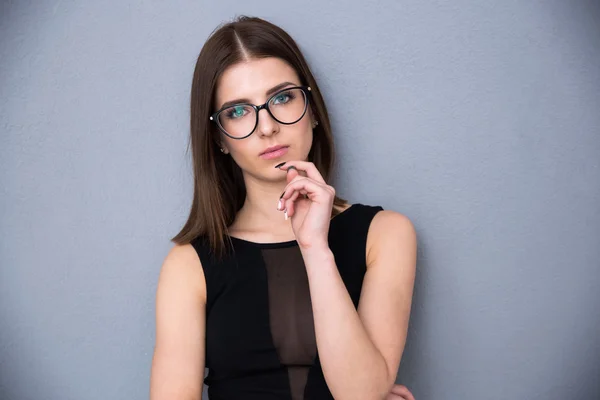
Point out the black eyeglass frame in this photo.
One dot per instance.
(305, 89)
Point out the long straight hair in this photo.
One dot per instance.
(219, 188)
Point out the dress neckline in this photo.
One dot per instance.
(289, 243)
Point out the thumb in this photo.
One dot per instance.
(292, 172)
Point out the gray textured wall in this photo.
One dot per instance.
(480, 120)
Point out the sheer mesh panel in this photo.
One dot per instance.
(290, 313)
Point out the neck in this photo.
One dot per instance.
(259, 212)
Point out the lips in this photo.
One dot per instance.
(274, 152)
(272, 149)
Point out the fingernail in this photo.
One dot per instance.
(285, 214)
(292, 167)
(282, 194)
(279, 205)
(279, 165)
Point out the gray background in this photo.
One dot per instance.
(480, 120)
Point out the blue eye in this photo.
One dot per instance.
(282, 98)
(235, 112)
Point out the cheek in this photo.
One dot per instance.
(238, 147)
(307, 140)
(243, 151)
(303, 127)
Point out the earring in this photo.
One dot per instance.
(315, 124)
(222, 151)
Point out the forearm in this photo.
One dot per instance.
(353, 367)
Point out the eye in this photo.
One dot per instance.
(235, 112)
(282, 98)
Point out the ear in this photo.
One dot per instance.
(312, 114)
(313, 118)
(222, 147)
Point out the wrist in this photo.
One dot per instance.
(318, 247)
(316, 254)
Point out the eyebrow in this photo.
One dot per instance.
(268, 93)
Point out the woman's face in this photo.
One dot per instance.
(253, 81)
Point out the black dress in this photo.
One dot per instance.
(260, 337)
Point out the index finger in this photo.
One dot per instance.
(403, 391)
(309, 168)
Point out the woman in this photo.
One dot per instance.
(281, 288)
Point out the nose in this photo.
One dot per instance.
(266, 124)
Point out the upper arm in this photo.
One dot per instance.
(386, 296)
(178, 361)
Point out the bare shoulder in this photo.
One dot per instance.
(389, 220)
(178, 358)
(182, 267)
(182, 254)
(390, 229)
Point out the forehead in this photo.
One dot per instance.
(251, 79)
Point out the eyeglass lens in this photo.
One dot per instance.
(287, 107)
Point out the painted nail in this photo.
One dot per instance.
(282, 194)
(285, 214)
(279, 165)
(279, 205)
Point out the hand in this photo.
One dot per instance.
(308, 201)
(400, 392)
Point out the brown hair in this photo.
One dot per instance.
(219, 189)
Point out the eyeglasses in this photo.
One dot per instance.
(287, 107)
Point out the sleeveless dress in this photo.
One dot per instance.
(260, 336)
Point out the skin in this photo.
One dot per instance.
(259, 219)
(360, 350)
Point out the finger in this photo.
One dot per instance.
(403, 391)
(399, 389)
(292, 172)
(398, 393)
(313, 189)
(290, 204)
(309, 168)
(409, 396)
(393, 396)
